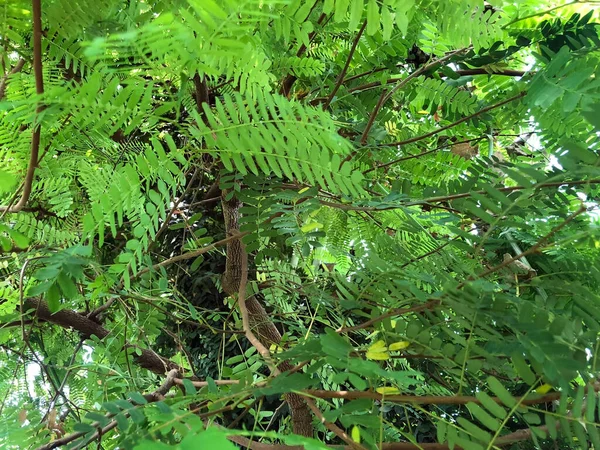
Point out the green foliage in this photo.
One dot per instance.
(425, 242)
(281, 138)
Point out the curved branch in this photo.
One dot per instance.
(394, 312)
(264, 351)
(460, 72)
(425, 399)
(342, 74)
(39, 88)
(155, 396)
(18, 67)
(68, 319)
(332, 426)
(458, 122)
(385, 96)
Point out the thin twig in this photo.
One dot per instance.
(3, 82)
(342, 74)
(385, 96)
(394, 312)
(461, 73)
(371, 121)
(155, 396)
(458, 122)
(264, 351)
(418, 155)
(332, 426)
(428, 399)
(449, 198)
(530, 250)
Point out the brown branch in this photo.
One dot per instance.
(264, 351)
(508, 189)
(385, 96)
(248, 443)
(369, 72)
(290, 79)
(39, 88)
(530, 250)
(4, 81)
(68, 319)
(157, 395)
(192, 254)
(394, 312)
(201, 95)
(332, 426)
(447, 198)
(425, 255)
(432, 303)
(418, 155)
(463, 72)
(423, 399)
(481, 71)
(342, 74)
(371, 121)
(458, 122)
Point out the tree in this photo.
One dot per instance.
(283, 224)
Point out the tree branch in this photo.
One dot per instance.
(462, 73)
(418, 155)
(3, 82)
(67, 319)
(155, 396)
(39, 88)
(385, 96)
(290, 79)
(458, 122)
(530, 250)
(264, 351)
(394, 312)
(424, 399)
(332, 426)
(342, 74)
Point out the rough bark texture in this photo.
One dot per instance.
(260, 322)
(87, 328)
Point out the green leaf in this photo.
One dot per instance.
(138, 398)
(441, 430)
(189, 387)
(356, 10)
(491, 405)
(341, 6)
(497, 388)
(523, 368)
(335, 345)
(480, 414)
(372, 17)
(7, 181)
(212, 437)
(53, 298)
(474, 430)
(67, 286)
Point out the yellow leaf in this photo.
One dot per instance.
(399, 345)
(378, 346)
(377, 355)
(274, 348)
(355, 434)
(301, 191)
(544, 388)
(311, 226)
(387, 390)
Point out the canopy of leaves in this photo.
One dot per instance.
(418, 198)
